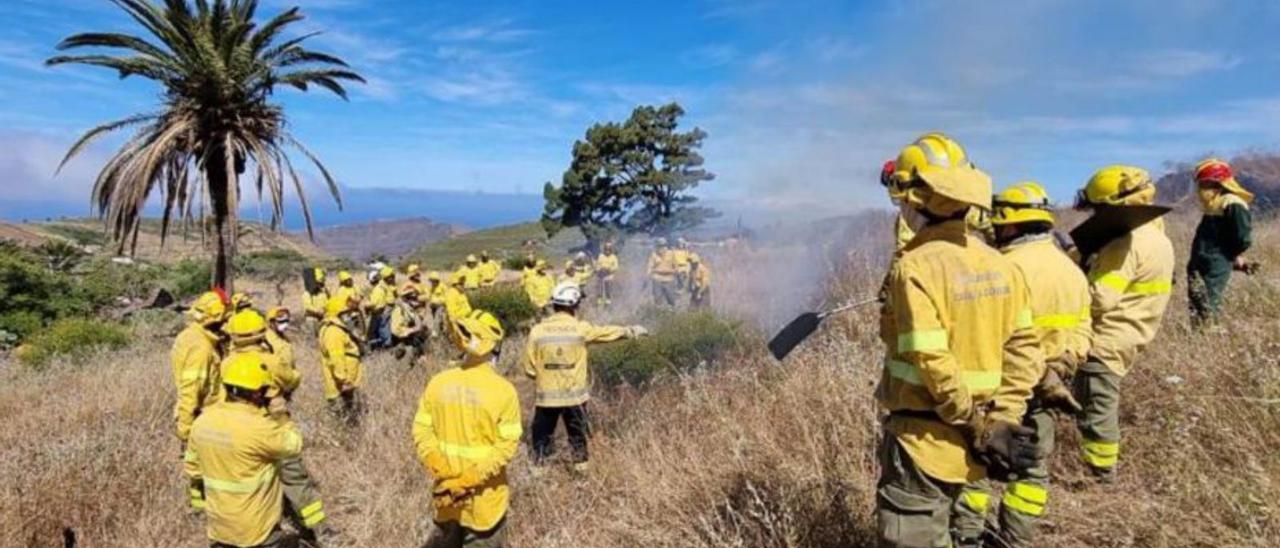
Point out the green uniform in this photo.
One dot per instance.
(1224, 233)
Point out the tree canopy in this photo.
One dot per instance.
(630, 177)
(219, 69)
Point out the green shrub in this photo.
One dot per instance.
(26, 286)
(680, 341)
(272, 264)
(78, 234)
(514, 262)
(21, 323)
(508, 303)
(73, 337)
(187, 278)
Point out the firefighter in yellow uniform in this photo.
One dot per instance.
(962, 358)
(555, 357)
(382, 296)
(346, 290)
(251, 334)
(1130, 280)
(902, 232)
(538, 286)
(662, 274)
(414, 274)
(530, 266)
(340, 354)
(279, 320)
(194, 361)
(408, 328)
(435, 301)
(456, 304)
(699, 282)
(606, 269)
(236, 445)
(680, 255)
(313, 303)
(466, 431)
(489, 270)
(470, 272)
(1023, 222)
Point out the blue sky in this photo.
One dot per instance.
(802, 100)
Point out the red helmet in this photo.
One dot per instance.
(1213, 171)
(886, 173)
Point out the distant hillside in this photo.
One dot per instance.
(502, 242)
(391, 239)
(89, 234)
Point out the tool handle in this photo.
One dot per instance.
(848, 306)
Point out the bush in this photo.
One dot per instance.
(27, 287)
(514, 262)
(188, 278)
(508, 303)
(274, 264)
(72, 337)
(680, 342)
(21, 323)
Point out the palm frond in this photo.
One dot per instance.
(99, 131)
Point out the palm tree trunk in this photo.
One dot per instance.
(222, 194)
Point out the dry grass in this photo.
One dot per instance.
(747, 454)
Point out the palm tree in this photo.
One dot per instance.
(219, 70)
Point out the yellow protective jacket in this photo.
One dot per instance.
(662, 266)
(339, 358)
(424, 291)
(405, 321)
(381, 296)
(1130, 280)
(700, 279)
(681, 259)
(471, 277)
(348, 293)
(282, 349)
(313, 304)
(960, 341)
(195, 359)
(470, 416)
(489, 271)
(538, 287)
(1059, 299)
(607, 265)
(902, 233)
(555, 356)
(236, 446)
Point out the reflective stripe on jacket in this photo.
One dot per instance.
(470, 416)
(555, 357)
(1131, 279)
(962, 340)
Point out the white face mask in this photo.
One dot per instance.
(281, 326)
(914, 218)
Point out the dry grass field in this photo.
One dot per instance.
(744, 453)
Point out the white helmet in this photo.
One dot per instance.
(566, 293)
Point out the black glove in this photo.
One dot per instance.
(1007, 445)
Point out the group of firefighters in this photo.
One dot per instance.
(235, 374)
(676, 270)
(992, 322)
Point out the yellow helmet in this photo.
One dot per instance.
(412, 269)
(241, 301)
(318, 274)
(481, 332)
(694, 258)
(540, 265)
(344, 276)
(246, 326)
(433, 276)
(471, 259)
(1118, 185)
(247, 371)
(209, 308)
(934, 173)
(456, 278)
(386, 273)
(278, 313)
(336, 306)
(408, 289)
(1025, 202)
